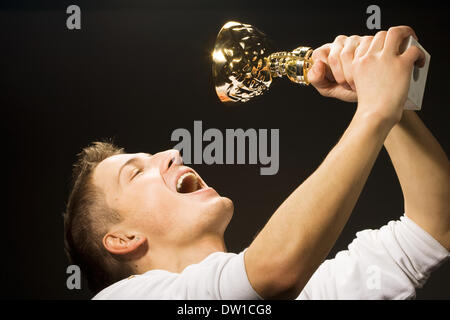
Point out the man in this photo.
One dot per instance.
(153, 219)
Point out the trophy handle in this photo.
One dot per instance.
(295, 64)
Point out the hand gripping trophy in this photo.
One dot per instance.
(244, 66)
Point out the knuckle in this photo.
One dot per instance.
(340, 38)
(367, 38)
(333, 60)
(345, 54)
(319, 51)
(394, 31)
(400, 28)
(365, 60)
(391, 29)
(381, 33)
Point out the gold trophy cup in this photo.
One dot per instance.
(244, 67)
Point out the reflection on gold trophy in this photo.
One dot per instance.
(244, 67)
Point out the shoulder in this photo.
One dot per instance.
(137, 286)
(162, 284)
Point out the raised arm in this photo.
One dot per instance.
(299, 235)
(424, 174)
(390, 263)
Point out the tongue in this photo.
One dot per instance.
(189, 184)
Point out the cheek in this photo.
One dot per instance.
(156, 208)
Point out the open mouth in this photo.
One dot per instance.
(188, 182)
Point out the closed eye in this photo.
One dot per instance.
(136, 172)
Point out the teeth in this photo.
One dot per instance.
(188, 182)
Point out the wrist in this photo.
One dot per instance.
(377, 117)
(381, 122)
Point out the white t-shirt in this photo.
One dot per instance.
(389, 263)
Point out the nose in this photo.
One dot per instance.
(175, 156)
(168, 158)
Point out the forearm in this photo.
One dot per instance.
(301, 232)
(423, 171)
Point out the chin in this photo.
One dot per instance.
(219, 214)
(227, 211)
(217, 203)
(221, 206)
(228, 205)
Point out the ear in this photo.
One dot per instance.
(118, 242)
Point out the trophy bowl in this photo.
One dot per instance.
(244, 64)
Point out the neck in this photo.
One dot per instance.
(178, 258)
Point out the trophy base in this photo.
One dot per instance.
(418, 78)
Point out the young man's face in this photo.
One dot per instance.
(158, 196)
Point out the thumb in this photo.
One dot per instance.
(414, 55)
(317, 75)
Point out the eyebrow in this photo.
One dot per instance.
(128, 162)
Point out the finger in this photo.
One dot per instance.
(321, 53)
(347, 55)
(377, 42)
(317, 75)
(395, 37)
(334, 59)
(364, 45)
(414, 55)
(319, 57)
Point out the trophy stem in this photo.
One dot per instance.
(295, 64)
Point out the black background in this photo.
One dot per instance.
(136, 71)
